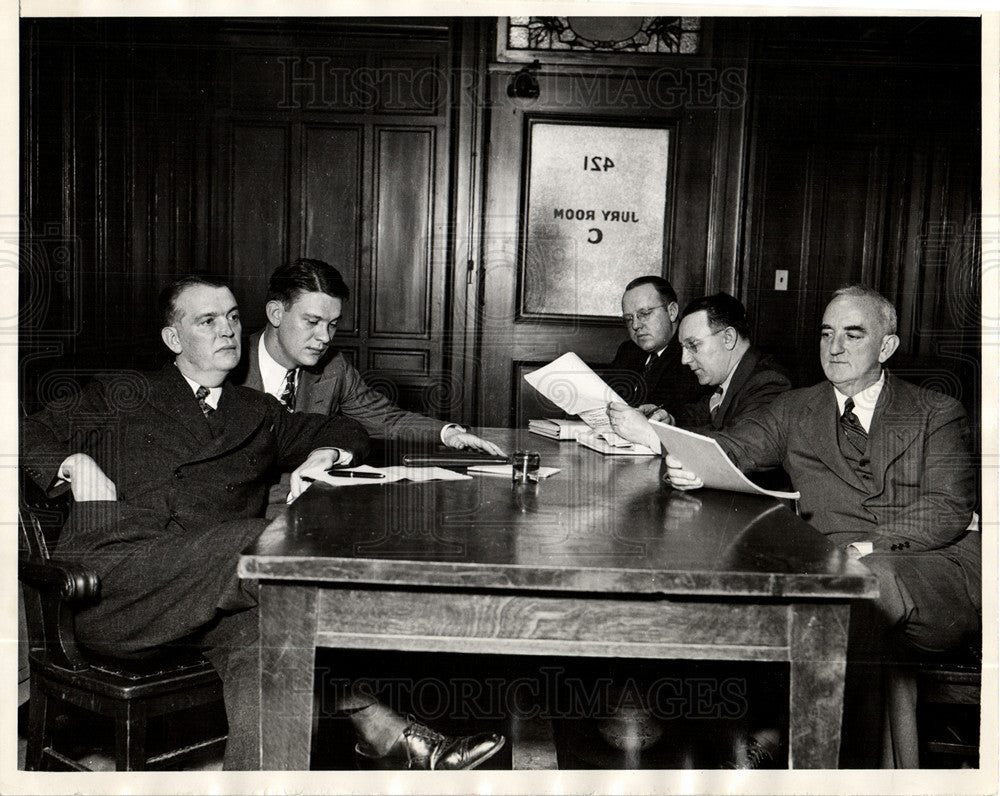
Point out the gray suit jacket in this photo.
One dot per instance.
(922, 490)
(336, 387)
(757, 381)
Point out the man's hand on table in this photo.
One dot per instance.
(318, 462)
(458, 437)
(680, 478)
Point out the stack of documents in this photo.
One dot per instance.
(554, 428)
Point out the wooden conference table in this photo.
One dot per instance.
(601, 559)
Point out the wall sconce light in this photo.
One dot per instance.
(523, 84)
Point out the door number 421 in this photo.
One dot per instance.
(597, 163)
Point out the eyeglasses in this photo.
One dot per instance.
(641, 315)
(694, 345)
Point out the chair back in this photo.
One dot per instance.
(52, 592)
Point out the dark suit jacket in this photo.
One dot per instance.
(922, 492)
(669, 383)
(757, 380)
(189, 495)
(335, 386)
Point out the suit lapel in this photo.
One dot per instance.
(305, 392)
(664, 362)
(239, 416)
(171, 394)
(740, 376)
(253, 378)
(894, 427)
(819, 430)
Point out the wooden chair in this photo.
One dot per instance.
(949, 695)
(130, 693)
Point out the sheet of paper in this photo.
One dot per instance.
(507, 470)
(395, 473)
(572, 386)
(704, 457)
(620, 447)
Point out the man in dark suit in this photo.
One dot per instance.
(647, 370)
(885, 472)
(169, 472)
(715, 344)
(290, 359)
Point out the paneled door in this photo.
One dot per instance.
(337, 148)
(698, 206)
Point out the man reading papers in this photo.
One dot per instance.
(714, 337)
(884, 470)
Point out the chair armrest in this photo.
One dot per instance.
(74, 583)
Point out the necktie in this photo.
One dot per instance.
(649, 364)
(288, 394)
(715, 401)
(201, 394)
(853, 430)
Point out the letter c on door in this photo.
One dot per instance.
(598, 233)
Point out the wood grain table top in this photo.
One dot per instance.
(602, 524)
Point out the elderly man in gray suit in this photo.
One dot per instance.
(289, 360)
(885, 472)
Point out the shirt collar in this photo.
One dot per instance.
(864, 401)
(656, 354)
(214, 393)
(272, 374)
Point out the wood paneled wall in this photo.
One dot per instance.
(865, 168)
(153, 148)
(156, 148)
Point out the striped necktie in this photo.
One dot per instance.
(288, 394)
(201, 394)
(854, 432)
(715, 401)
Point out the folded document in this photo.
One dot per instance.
(704, 457)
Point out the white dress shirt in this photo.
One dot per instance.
(864, 402)
(214, 393)
(272, 374)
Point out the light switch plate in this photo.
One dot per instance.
(781, 280)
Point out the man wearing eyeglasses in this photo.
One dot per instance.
(647, 370)
(714, 339)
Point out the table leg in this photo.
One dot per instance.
(287, 655)
(818, 650)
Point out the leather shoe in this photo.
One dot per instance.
(420, 747)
